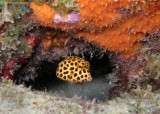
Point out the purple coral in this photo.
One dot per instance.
(73, 17)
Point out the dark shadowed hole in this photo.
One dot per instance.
(98, 88)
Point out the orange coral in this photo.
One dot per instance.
(115, 25)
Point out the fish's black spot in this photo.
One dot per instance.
(80, 66)
(81, 76)
(84, 71)
(60, 70)
(80, 72)
(75, 74)
(61, 75)
(61, 65)
(71, 63)
(78, 78)
(65, 62)
(67, 65)
(64, 77)
(70, 77)
(86, 75)
(73, 59)
(65, 68)
(66, 72)
(75, 63)
(76, 69)
(72, 68)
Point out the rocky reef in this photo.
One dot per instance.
(119, 38)
(17, 98)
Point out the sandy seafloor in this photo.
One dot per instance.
(97, 88)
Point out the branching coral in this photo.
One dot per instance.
(112, 25)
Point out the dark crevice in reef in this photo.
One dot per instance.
(98, 88)
(40, 70)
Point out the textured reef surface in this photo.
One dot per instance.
(119, 38)
(17, 98)
(115, 25)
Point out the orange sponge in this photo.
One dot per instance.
(43, 12)
(115, 25)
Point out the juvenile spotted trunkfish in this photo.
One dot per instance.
(74, 69)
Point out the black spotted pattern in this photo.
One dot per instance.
(74, 69)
